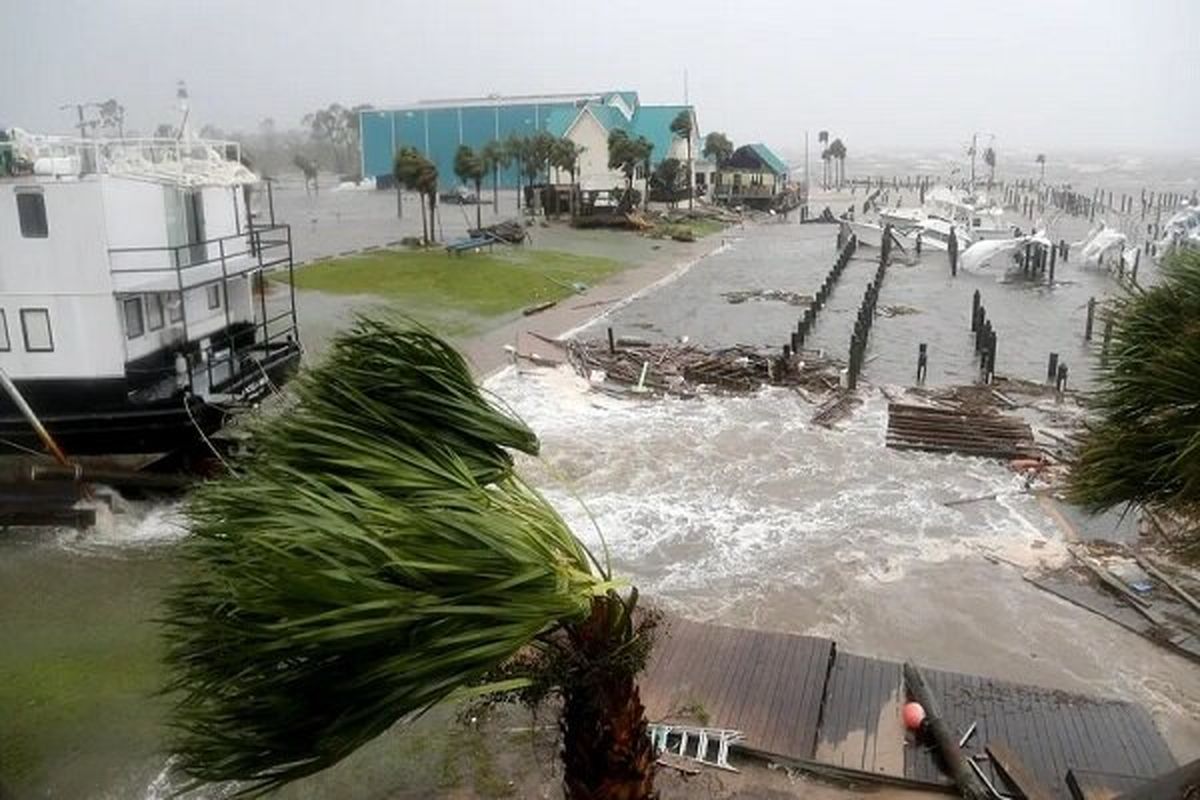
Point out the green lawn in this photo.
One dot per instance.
(434, 286)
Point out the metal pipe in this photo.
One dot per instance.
(10, 388)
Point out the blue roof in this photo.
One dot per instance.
(611, 118)
(654, 123)
(777, 164)
(559, 121)
(630, 98)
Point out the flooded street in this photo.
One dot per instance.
(729, 509)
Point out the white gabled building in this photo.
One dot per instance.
(590, 124)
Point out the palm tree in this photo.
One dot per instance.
(627, 154)
(717, 148)
(989, 158)
(495, 156)
(823, 138)
(1143, 448)
(469, 168)
(1041, 160)
(565, 156)
(375, 555)
(837, 151)
(514, 148)
(418, 174)
(682, 126)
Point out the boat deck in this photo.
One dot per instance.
(800, 699)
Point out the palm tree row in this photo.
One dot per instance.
(375, 554)
(833, 154)
(534, 156)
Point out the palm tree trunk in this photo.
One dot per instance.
(424, 227)
(607, 753)
(496, 190)
(478, 203)
(691, 173)
(432, 214)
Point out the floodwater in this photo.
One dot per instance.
(731, 509)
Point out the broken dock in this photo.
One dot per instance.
(801, 701)
(942, 430)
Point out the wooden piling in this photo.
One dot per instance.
(922, 361)
(612, 345)
(1052, 367)
(1091, 318)
(1053, 258)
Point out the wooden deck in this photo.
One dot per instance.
(799, 698)
(766, 685)
(942, 430)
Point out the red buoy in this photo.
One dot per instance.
(913, 714)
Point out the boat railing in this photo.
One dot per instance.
(118, 154)
(230, 362)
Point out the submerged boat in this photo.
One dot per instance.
(134, 316)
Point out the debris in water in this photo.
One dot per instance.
(897, 311)
(680, 368)
(778, 295)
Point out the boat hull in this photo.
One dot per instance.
(84, 420)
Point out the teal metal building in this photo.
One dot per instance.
(438, 127)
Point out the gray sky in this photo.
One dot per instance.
(1102, 74)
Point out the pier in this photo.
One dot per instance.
(802, 701)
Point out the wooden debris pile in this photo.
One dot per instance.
(510, 232)
(777, 295)
(681, 369)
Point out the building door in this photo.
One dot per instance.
(193, 212)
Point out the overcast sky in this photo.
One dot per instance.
(1103, 74)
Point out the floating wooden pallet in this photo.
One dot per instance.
(942, 430)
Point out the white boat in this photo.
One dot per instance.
(989, 254)
(1102, 247)
(934, 234)
(128, 316)
(868, 234)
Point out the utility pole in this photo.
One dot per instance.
(974, 138)
(81, 124)
(807, 185)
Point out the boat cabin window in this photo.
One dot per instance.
(214, 296)
(154, 311)
(135, 323)
(5, 345)
(35, 327)
(31, 209)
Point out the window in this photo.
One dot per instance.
(214, 296)
(175, 307)
(31, 208)
(35, 326)
(5, 344)
(135, 323)
(154, 311)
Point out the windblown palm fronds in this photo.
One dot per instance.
(375, 555)
(1145, 447)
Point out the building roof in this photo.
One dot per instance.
(772, 161)
(630, 98)
(757, 157)
(610, 118)
(507, 100)
(560, 120)
(654, 123)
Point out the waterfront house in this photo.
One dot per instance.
(753, 175)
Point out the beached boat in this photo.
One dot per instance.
(133, 315)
